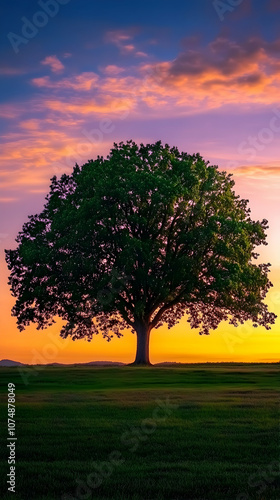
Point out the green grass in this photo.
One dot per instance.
(220, 439)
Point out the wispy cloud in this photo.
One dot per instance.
(54, 63)
(139, 53)
(118, 37)
(108, 105)
(7, 71)
(7, 199)
(258, 171)
(112, 70)
(84, 81)
(123, 40)
(11, 111)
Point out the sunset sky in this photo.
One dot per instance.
(81, 75)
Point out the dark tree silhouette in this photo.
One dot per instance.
(137, 240)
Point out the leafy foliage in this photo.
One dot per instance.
(147, 235)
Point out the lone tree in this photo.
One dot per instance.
(137, 240)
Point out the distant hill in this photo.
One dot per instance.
(103, 363)
(9, 362)
(90, 363)
(172, 363)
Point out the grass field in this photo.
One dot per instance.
(124, 433)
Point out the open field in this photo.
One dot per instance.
(192, 432)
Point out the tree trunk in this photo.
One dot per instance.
(143, 338)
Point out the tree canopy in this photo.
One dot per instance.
(138, 239)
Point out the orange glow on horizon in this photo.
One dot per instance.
(180, 344)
